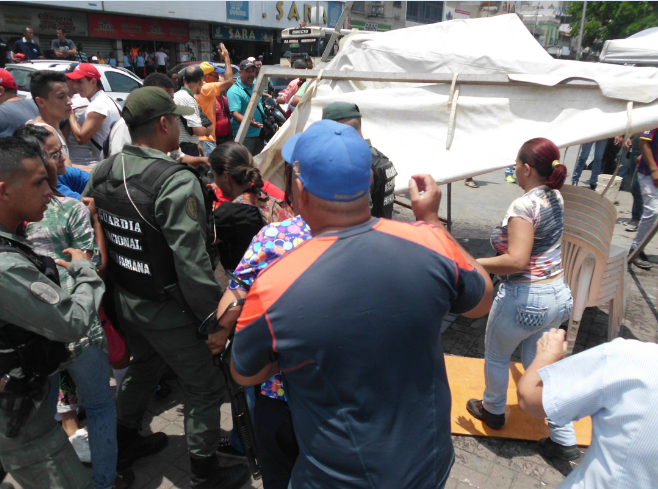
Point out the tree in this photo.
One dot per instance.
(612, 20)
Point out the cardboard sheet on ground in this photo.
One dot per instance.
(409, 122)
(466, 378)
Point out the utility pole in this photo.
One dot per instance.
(582, 28)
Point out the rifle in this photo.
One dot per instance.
(239, 407)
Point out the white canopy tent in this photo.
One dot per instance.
(640, 48)
(507, 90)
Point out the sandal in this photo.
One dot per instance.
(471, 183)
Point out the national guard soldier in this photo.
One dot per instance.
(37, 319)
(154, 216)
(382, 187)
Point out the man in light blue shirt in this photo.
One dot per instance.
(616, 384)
(238, 99)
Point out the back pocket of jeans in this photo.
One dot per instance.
(531, 318)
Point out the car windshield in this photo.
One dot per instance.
(21, 77)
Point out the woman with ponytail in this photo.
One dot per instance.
(250, 207)
(533, 296)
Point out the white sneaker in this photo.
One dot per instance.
(80, 442)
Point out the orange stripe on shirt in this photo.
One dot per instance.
(426, 235)
(279, 276)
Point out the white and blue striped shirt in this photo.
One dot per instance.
(617, 385)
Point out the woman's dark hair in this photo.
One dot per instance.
(236, 161)
(30, 130)
(540, 153)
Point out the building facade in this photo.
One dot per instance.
(189, 31)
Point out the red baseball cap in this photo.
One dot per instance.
(7, 81)
(84, 70)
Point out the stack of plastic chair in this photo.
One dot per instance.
(594, 269)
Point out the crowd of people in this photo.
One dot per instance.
(330, 307)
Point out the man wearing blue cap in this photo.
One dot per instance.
(363, 368)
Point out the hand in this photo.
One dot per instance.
(223, 52)
(212, 186)
(552, 345)
(256, 124)
(217, 341)
(618, 140)
(75, 254)
(425, 206)
(627, 144)
(91, 206)
(654, 177)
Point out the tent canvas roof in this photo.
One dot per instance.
(409, 122)
(640, 48)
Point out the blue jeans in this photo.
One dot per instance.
(520, 314)
(599, 151)
(234, 439)
(509, 171)
(91, 374)
(207, 146)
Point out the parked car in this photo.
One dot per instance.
(117, 82)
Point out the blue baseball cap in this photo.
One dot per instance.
(332, 161)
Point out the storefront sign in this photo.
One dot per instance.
(240, 33)
(137, 28)
(368, 26)
(290, 14)
(237, 10)
(452, 13)
(42, 21)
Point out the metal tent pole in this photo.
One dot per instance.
(334, 35)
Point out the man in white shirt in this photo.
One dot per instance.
(615, 383)
(80, 154)
(193, 79)
(162, 60)
(102, 111)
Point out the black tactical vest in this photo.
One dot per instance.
(36, 356)
(383, 187)
(141, 260)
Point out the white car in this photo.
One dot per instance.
(117, 82)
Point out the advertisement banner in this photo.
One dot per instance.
(452, 13)
(237, 10)
(118, 27)
(240, 33)
(44, 21)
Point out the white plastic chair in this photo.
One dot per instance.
(594, 269)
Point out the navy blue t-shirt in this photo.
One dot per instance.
(30, 49)
(354, 319)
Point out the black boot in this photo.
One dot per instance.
(549, 449)
(207, 474)
(132, 446)
(477, 410)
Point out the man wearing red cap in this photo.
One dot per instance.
(14, 110)
(102, 111)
